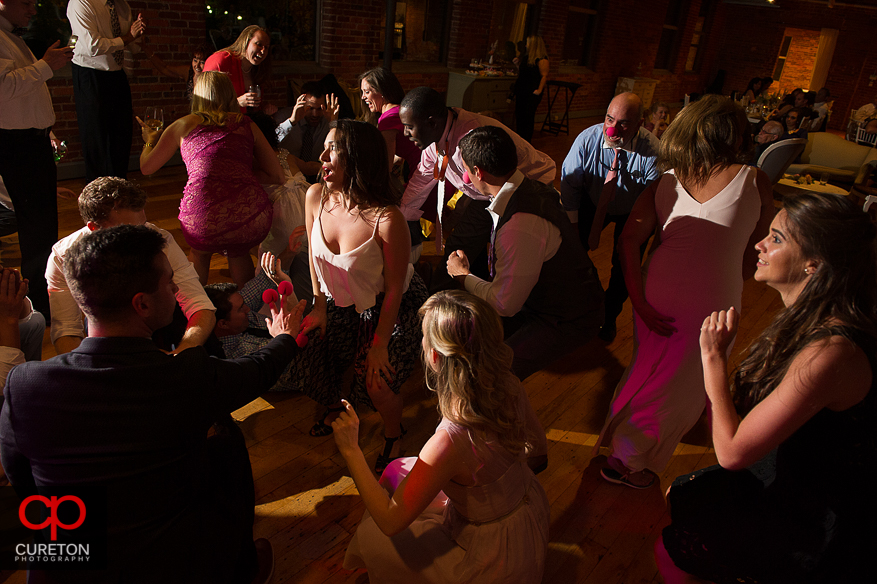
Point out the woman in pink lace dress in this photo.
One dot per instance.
(468, 508)
(224, 208)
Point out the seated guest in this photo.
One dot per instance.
(118, 413)
(807, 389)
(543, 282)
(468, 508)
(660, 127)
(820, 108)
(22, 327)
(752, 90)
(187, 73)
(771, 132)
(869, 110)
(653, 118)
(106, 202)
(305, 131)
(798, 98)
(795, 122)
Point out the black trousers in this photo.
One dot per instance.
(105, 116)
(27, 166)
(525, 114)
(616, 291)
(472, 235)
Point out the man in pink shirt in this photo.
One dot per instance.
(437, 130)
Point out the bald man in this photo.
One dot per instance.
(605, 171)
(769, 134)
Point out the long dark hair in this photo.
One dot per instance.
(363, 156)
(387, 84)
(842, 291)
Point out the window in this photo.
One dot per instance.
(670, 33)
(421, 30)
(698, 39)
(781, 59)
(580, 41)
(291, 23)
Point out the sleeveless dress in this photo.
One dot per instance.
(224, 208)
(353, 283)
(494, 532)
(813, 523)
(696, 269)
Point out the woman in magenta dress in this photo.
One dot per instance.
(224, 207)
(247, 62)
(382, 94)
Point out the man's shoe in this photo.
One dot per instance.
(265, 557)
(607, 333)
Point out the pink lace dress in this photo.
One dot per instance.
(224, 208)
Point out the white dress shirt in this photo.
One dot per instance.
(525, 243)
(24, 96)
(66, 316)
(90, 21)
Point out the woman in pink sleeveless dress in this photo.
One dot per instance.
(468, 508)
(224, 207)
(710, 210)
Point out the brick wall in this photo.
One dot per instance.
(798, 69)
(742, 40)
(752, 36)
(173, 26)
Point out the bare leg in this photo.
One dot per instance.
(201, 261)
(389, 406)
(671, 574)
(241, 268)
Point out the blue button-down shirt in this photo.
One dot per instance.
(585, 167)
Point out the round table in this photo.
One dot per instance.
(787, 187)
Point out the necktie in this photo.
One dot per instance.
(119, 55)
(606, 196)
(307, 144)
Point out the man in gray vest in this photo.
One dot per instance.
(543, 282)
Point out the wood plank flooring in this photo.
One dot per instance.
(308, 506)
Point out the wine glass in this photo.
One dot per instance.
(154, 118)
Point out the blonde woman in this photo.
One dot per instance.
(247, 62)
(532, 78)
(224, 207)
(468, 508)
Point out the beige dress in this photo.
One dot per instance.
(496, 531)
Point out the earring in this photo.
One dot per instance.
(807, 271)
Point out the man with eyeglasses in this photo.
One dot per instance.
(605, 171)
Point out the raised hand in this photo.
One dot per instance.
(332, 107)
(718, 331)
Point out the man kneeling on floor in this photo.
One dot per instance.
(120, 414)
(544, 284)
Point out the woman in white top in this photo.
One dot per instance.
(366, 294)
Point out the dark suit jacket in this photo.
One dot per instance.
(120, 413)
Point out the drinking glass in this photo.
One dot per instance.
(71, 42)
(154, 118)
(60, 150)
(823, 178)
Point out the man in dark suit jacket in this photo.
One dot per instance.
(120, 414)
(542, 283)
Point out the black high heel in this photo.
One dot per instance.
(321, 428)
(384, 458)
